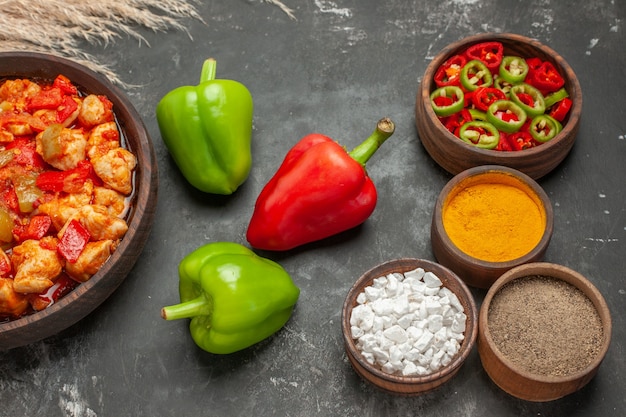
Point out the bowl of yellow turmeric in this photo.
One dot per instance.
(488, 220)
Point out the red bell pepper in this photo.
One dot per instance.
(65, 85)
(49, 98)
(62, 286)
(37, 227)
(73, 241)
(27, 155)
(69, 181)
(318, 191)
(66, 109)
(490, 53)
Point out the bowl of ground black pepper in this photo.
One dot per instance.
(489, 219)
(544, 330)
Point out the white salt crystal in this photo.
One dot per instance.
(408, 324)
(396, 333)
(432, 280)
(424, 341)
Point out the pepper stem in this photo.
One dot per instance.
(200, 306)
(209, 68)
(363, 152)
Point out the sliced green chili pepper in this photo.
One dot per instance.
(447, 100)
(506, 116)
(480, 134)
(502, 84)
(543, 128)
(553, 98)
(478, 115)
(513, 69)
(475, 74)
(528, 98)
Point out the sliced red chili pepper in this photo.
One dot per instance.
(65, 85)
(27, 155)
(37, 227)
(503, 144)
(65, 110)
(453, 122)
(69, 181)
(546, 78)
(559, 110)
(491, 53)
(449, 73)
(521, 140)
(533, 65)
(484, 96)
(526, 98)
(73, 241)
(61, 287)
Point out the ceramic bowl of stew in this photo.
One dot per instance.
(544, 330)
(411, 373)
(439, 135)
(488, 220)
(140, 202)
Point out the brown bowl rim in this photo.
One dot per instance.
(569, 128)
(140, 223)
(404, 265)
(554, 271)
(504, 170)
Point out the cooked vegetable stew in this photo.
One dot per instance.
(66, 178)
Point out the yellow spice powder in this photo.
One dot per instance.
(495, 222)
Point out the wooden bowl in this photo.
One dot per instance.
(454, 155)
(413, 385)
(515, 378)
(478, 272)
(89, 295)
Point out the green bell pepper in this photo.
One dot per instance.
(208, 129)
(234, 297)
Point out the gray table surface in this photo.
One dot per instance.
(336, 70)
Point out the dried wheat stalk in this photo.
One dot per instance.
(60, 26)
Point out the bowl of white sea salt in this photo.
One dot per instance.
(409, 325)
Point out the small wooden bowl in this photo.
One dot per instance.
(89, 295)
(477, 272)
(454, 155)
(409, 386)
(513, 378)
